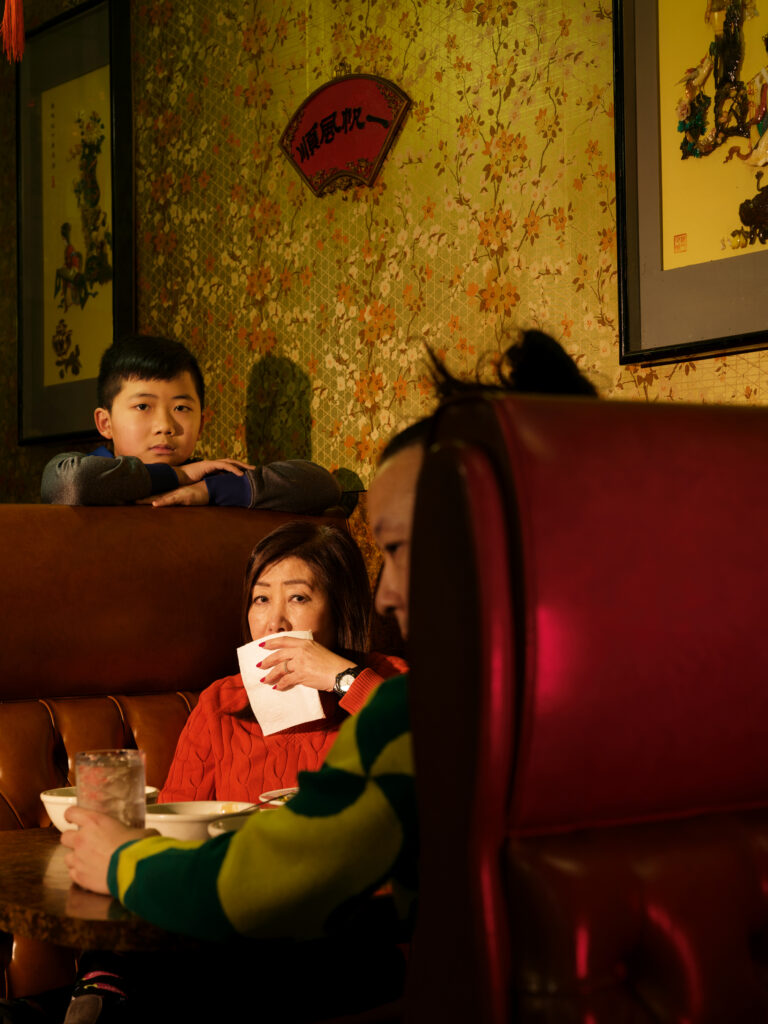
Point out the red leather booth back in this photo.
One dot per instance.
(642, 539)
(628, 693)
(638, 534)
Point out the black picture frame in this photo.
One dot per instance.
(59, 52)
(702, 310)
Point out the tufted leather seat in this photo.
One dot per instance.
(589, 589)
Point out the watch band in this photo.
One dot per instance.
(345, 678)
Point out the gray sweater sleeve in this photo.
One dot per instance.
(73, 478)
(293, 486)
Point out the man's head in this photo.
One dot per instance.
(536, 363)
(390, 507)
(151, 396)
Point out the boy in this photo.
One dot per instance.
(151, 395)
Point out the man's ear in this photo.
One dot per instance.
(103, 422)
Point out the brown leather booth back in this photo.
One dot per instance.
(596, 831)
(121, 600)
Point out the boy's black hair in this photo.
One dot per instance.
(144, 357)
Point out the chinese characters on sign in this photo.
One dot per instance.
(341, 134)
(351, 118)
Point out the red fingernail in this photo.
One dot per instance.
(274, 687)
(258, 664)
(262, 645)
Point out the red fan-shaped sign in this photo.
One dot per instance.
(341, 134)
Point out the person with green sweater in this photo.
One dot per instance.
(291, 872)
(305, 871)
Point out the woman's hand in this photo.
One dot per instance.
(93, 844)
(297, 662)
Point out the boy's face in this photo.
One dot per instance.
(155, 420)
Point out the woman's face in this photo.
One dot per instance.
(286, 597)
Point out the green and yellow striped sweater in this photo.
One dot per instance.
(294, 872)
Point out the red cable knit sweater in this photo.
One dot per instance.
(221, 757)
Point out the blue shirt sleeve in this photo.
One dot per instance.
(294, 485)
(228, 489)
(163, 477)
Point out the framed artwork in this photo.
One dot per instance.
(691, 101)
(75, 203)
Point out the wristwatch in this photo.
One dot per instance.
(345, 679)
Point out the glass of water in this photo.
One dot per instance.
(112, 781)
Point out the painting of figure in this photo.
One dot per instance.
(77, 206)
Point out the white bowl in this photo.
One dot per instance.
(230, 822)
(189, 819)
(56, 801)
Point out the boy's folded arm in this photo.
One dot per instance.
(73, 478)
(294, 485)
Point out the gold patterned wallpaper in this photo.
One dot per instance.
(494, 211)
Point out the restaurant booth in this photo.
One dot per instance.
(587, 687)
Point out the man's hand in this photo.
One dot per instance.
(193, 472)
(93, 844)
(192, 494)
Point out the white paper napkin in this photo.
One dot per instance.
(276, 709)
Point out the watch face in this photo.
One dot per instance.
(345, 679)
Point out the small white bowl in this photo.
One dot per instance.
(189, 819)
(230, 822)
(56, 801)
(269, 801)
(278, 797)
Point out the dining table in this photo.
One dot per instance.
(39, 901)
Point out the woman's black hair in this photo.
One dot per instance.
(338, 569)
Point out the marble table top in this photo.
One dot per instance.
(38, 900)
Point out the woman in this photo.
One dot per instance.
(302, 576)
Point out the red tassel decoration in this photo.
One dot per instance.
(13, 30)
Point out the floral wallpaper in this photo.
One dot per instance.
(495, 210)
